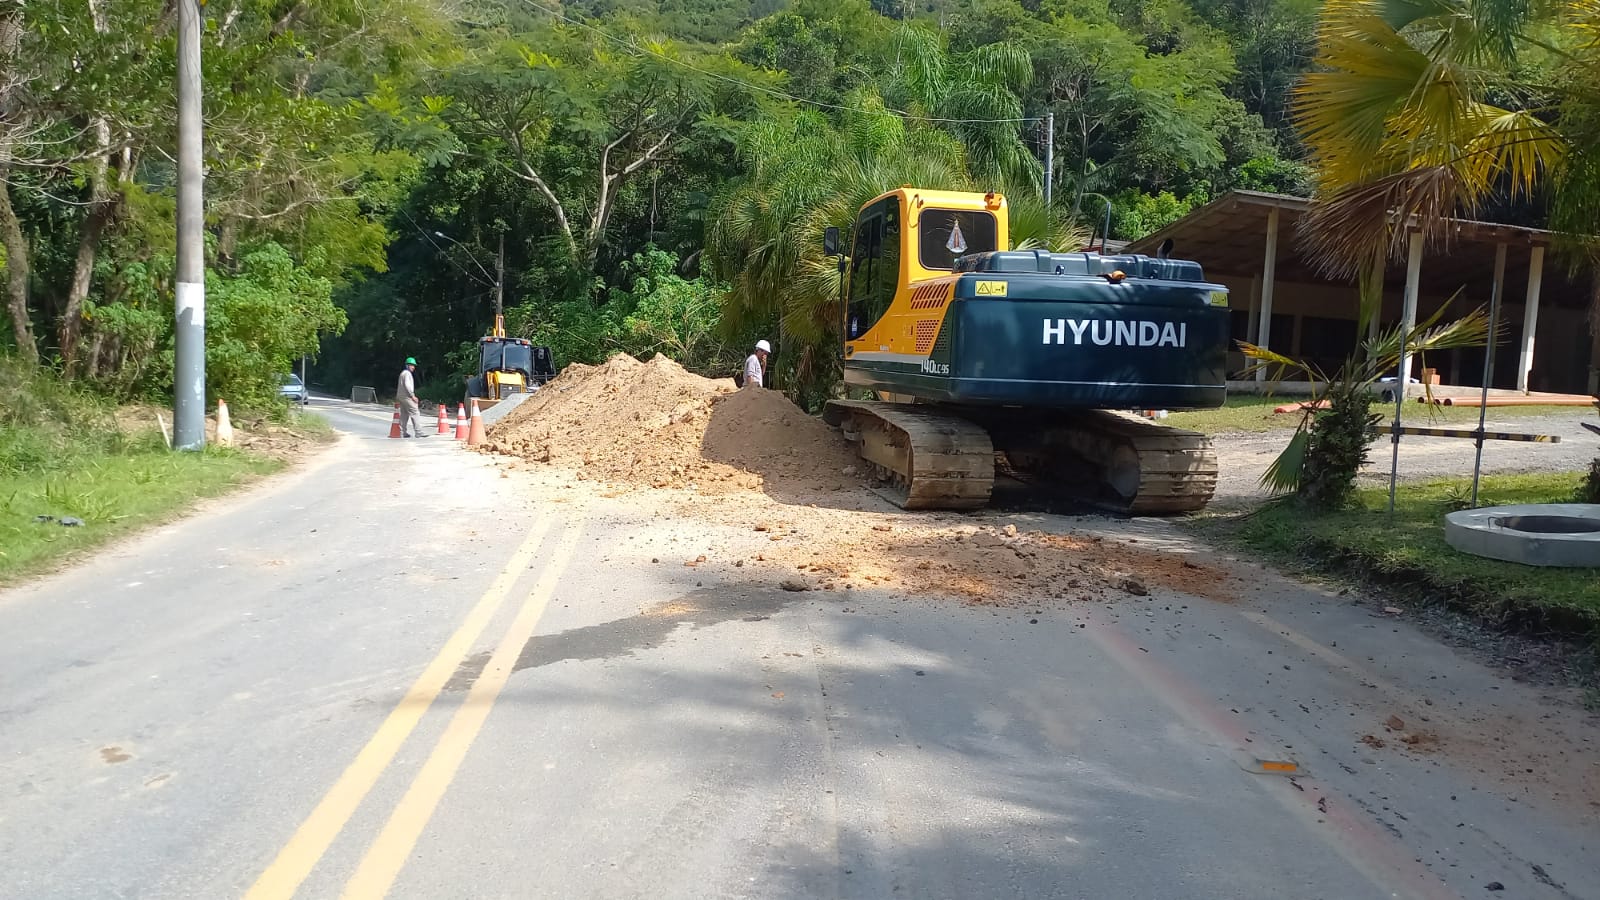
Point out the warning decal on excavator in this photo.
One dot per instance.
(990, 289)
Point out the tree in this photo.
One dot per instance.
(608, 113)
(1129, 117)
(806, 175)
(1273, 45)
(1417, 112)
(87, 148)
(977, 95)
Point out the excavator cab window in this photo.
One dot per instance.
(945, 234)
(505, 356)
(874, 266)
(519, 357)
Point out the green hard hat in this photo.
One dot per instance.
(411, 360)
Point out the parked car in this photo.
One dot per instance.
(294, 389)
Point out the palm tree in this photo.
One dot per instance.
(1419, 111)
(806, 175)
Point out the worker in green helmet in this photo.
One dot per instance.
(405, 393)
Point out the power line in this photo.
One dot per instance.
(629, 45)
(442, 252)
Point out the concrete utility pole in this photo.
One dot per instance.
(500, 279)
(189, 371)
(1049, 156)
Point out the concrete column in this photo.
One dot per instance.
(1497, 302)
(1253, 333)
(1269, 268)
(1408, 315)
(1530, 318)
(1374, 325)
(1594, 334)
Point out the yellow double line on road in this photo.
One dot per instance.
(388, 854)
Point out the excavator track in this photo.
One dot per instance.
(1112, 460)
(929, 459)
(938, 457)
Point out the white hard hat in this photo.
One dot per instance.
(763, 345)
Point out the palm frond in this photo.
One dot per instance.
(1283, 475)
(1365, 221)
(1515, 144)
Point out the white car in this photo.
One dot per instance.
(293, 389)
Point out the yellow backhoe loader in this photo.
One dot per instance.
(508, 366)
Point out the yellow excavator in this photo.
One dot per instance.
(981, 355)
(507, 366)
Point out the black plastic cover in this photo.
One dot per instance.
(1081, 264)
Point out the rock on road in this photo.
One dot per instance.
(396, 671)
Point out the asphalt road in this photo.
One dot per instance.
(390, 673)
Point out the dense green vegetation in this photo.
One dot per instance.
(63, 454)
(657, 171)
(1409, 552)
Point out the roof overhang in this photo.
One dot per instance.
(1228, 238)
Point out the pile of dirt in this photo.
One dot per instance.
(655, 424)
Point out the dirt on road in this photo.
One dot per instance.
(699, 449)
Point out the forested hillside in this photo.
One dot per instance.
(658, 172)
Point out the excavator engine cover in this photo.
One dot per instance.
(1063, 331)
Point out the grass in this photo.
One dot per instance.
(1250, 413)
(113, 495)
(309, 424)
(63, 452)
(1409, 552)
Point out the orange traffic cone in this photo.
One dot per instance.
(461, 421)
(444, 423)
(394, 426)
(476, 435)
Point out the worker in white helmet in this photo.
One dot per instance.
(755, 365)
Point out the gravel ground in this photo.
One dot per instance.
(1242, 458)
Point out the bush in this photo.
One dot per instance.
(1589, 490)
(259, 321)
(45, 422)
(660, 311)
(1337, 447)
(260, 317)
(1135, 214)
